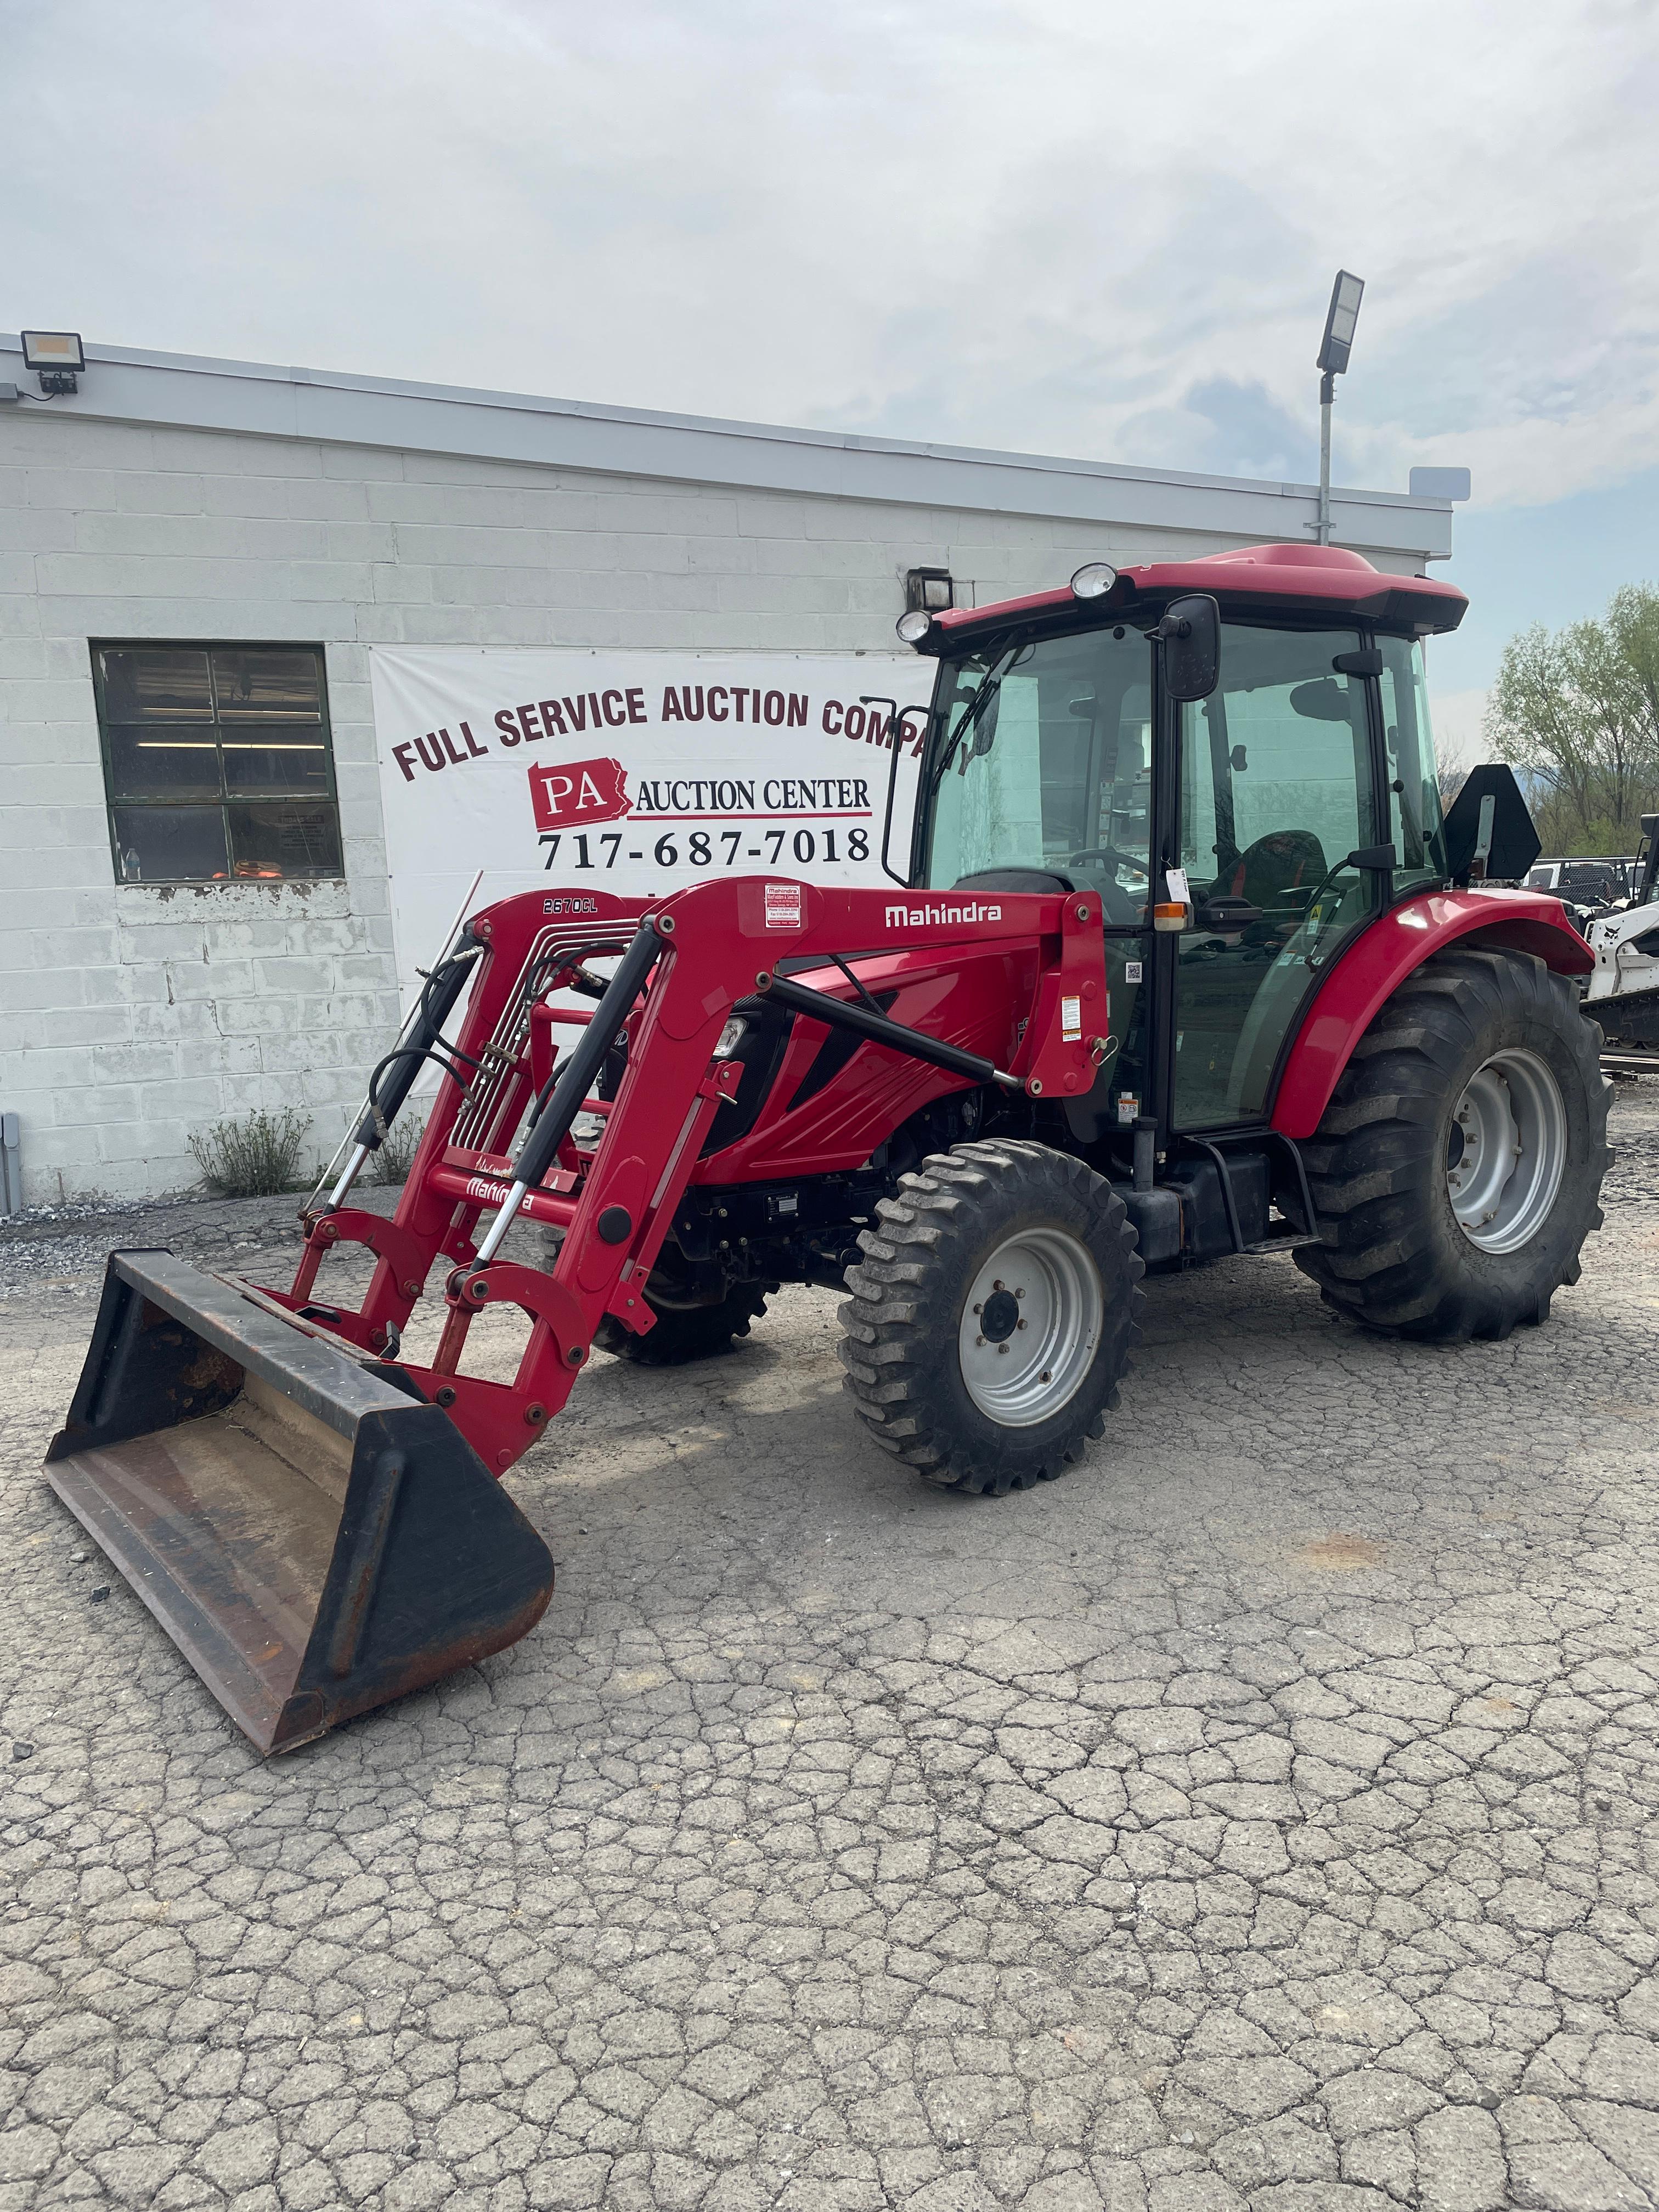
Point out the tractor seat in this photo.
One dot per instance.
(1284, 861)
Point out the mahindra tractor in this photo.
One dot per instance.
(1184, 964)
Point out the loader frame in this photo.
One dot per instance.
(685, 963)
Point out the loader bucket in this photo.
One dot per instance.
(313, 1537)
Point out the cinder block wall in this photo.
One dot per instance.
(131, 1015)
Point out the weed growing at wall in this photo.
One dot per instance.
(253, 1157)
(392, 1162)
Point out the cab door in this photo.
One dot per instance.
(1279, 783)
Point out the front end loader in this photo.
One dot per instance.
(1182, 968)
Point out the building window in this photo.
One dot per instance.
(217, 761)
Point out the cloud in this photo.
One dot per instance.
(1234, 428)
(1080, 228)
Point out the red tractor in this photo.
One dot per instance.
(1185, 963)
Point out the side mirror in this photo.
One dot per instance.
(1191, 635)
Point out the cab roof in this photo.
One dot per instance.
(1268, 579)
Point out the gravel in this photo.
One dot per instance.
(1259, 1819)
(67, 1245)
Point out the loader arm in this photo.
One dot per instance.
(709, 947)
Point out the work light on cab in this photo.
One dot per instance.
(914, 625)
(1093, 580)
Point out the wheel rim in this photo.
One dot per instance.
(1505, 1151)
(1031, 1325)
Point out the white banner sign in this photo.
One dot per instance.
(632, 772)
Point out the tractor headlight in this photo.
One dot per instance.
(1094, 580)
(914, 625)
(730, 1037)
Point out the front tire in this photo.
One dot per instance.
(991, 1316)
(1456, 1171)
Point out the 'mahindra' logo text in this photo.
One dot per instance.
(918, 917)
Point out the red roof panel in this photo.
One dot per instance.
(1323, 575)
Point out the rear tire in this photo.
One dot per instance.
(1476, 1092)
(992, 1316)
(684, 1333)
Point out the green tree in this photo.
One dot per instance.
(1633, 624)
(1579, 709)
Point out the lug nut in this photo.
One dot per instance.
(1003, 1347)
(1020, 1323)
(978, 1309)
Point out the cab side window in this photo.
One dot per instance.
(1419, 834)
(1276, 792)
(1276, 784)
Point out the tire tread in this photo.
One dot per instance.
(913, 1255)
(1375, 1164)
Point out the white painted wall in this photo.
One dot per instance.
(129, 1016)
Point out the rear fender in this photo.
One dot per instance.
(1380, 959)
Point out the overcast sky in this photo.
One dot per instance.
(1072, 226)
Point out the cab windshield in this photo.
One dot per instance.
(1040, 759)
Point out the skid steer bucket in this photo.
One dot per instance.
(314, 1537)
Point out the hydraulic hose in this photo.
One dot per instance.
(387, 1091)
(575, 1079)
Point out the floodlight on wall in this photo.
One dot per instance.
(1342, 319)
(58, 358)
(929, 591)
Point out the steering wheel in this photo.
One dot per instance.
(1115, 902)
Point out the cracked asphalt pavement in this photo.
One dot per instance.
(1261, 1817)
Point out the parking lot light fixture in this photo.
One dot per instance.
(1342, 319)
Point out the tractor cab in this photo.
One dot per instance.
(1235, 755)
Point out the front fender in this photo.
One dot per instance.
(1382, 956)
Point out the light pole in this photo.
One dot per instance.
(1341, 318)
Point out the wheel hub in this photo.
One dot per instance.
(1505, 1150)
(1030, 1324)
